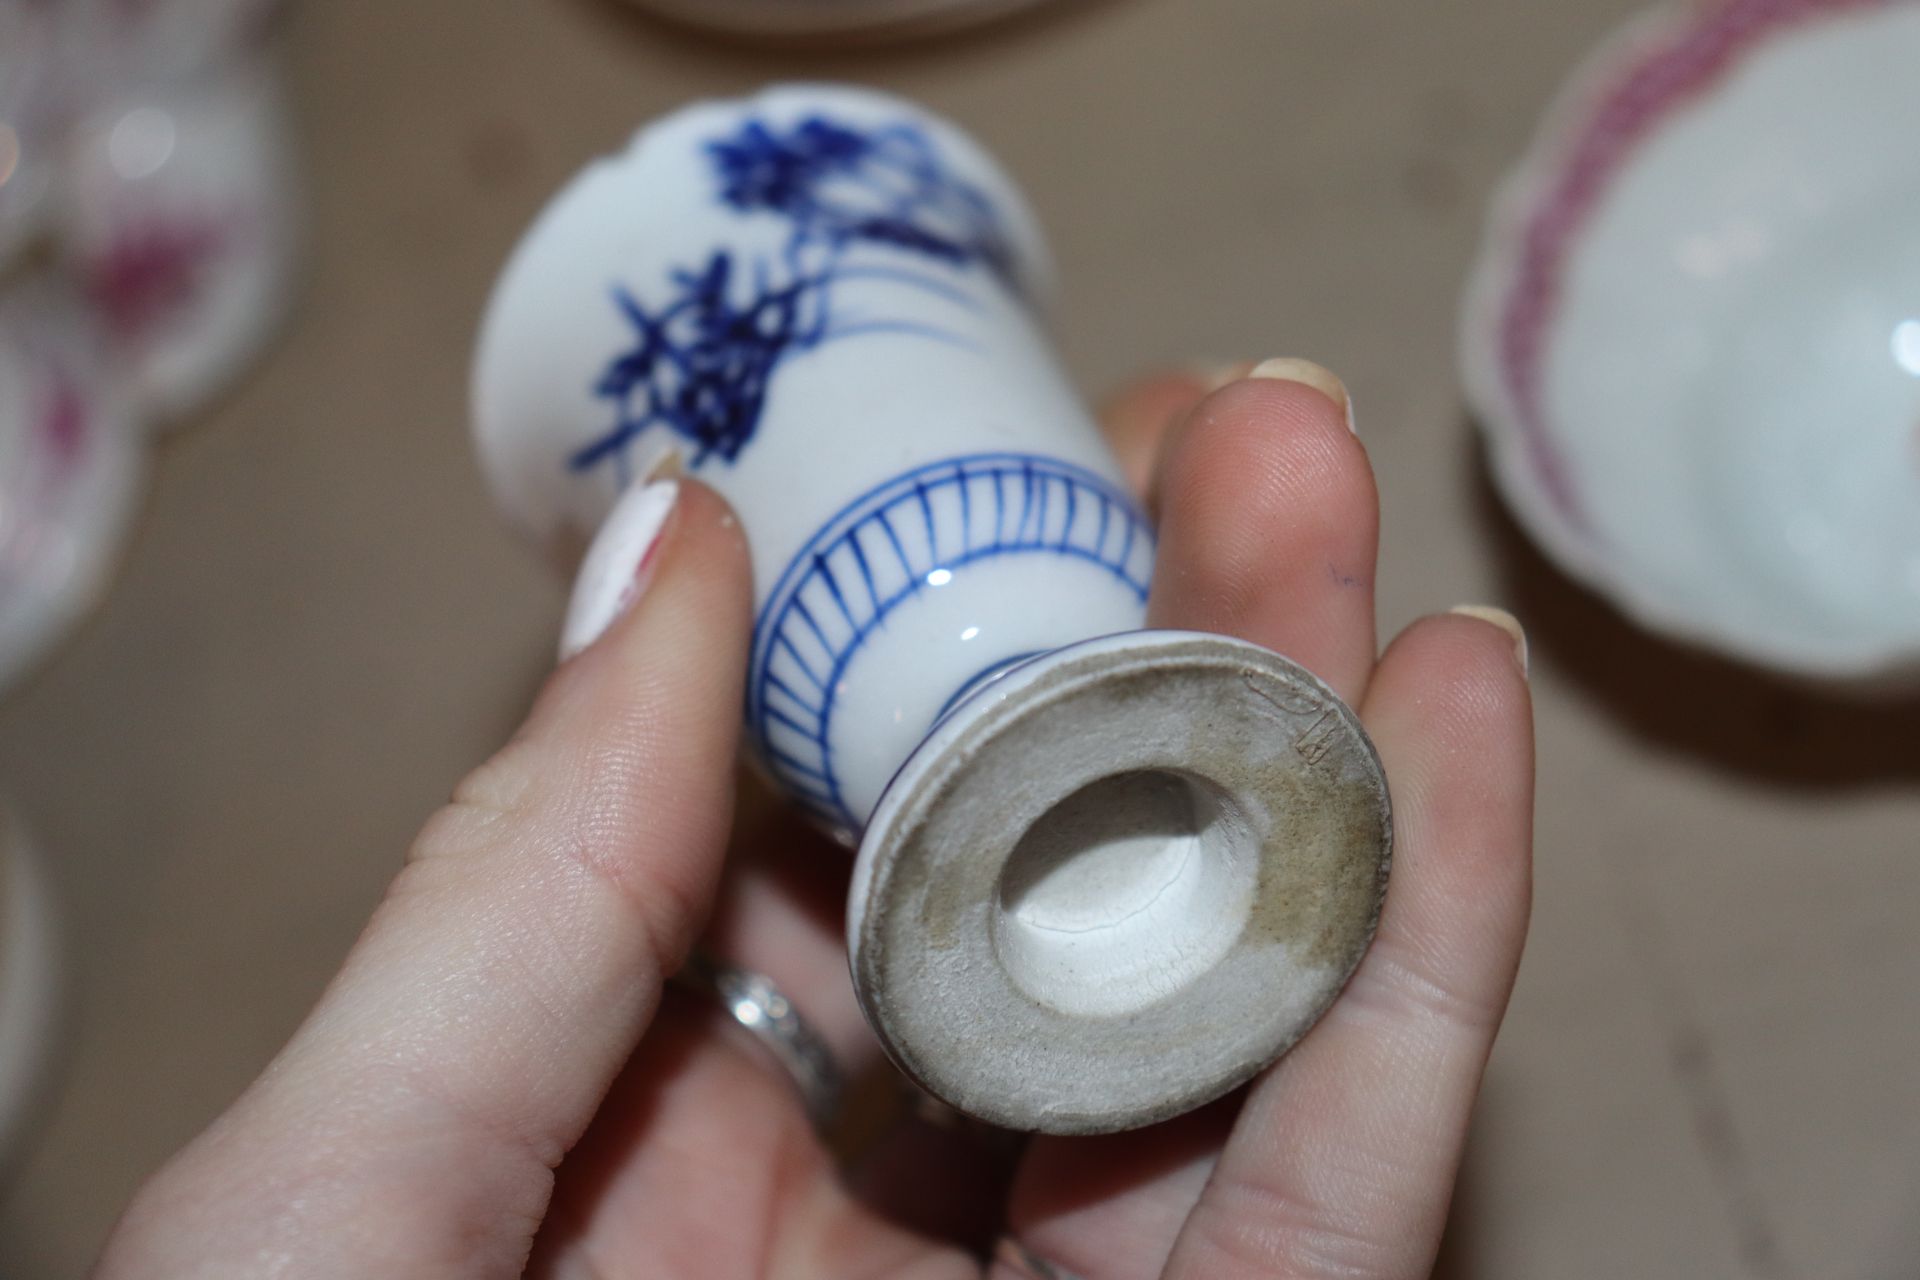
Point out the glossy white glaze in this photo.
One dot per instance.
(869, 385)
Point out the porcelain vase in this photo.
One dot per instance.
(1104, 874)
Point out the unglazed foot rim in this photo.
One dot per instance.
(1119, 881)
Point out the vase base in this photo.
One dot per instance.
(1118, 881)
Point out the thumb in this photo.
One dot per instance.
(412, 1125)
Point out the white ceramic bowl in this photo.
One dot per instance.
(1693, 335)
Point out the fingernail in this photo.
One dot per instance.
(1503, 620)
(566, 547)
(619, 565)
(1215, 374)
(659, 460)
(1320, 378)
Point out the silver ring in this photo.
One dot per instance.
(753, 1001)
(1025, 1263)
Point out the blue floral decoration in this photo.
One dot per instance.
(840, 185)
(701, 363)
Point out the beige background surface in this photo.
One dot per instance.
(1709, 1068)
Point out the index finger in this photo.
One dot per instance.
(1138, 418)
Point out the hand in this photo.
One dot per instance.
(494, 1083)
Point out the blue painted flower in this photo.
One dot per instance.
(888, 186)
(760, 169)
(700, 364)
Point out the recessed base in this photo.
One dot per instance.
(1119, 881)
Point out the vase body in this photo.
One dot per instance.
(824, 301)
(1103, 874)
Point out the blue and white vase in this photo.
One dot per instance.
(1104, 874)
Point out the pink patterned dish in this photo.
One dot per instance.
(1693, 334)
(70, 462)
(179, 216)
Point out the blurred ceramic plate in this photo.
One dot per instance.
(179, 215)
(1693, 335)
(69, 463)
(118, 42)
(828, 19)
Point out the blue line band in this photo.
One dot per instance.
(788, 631)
